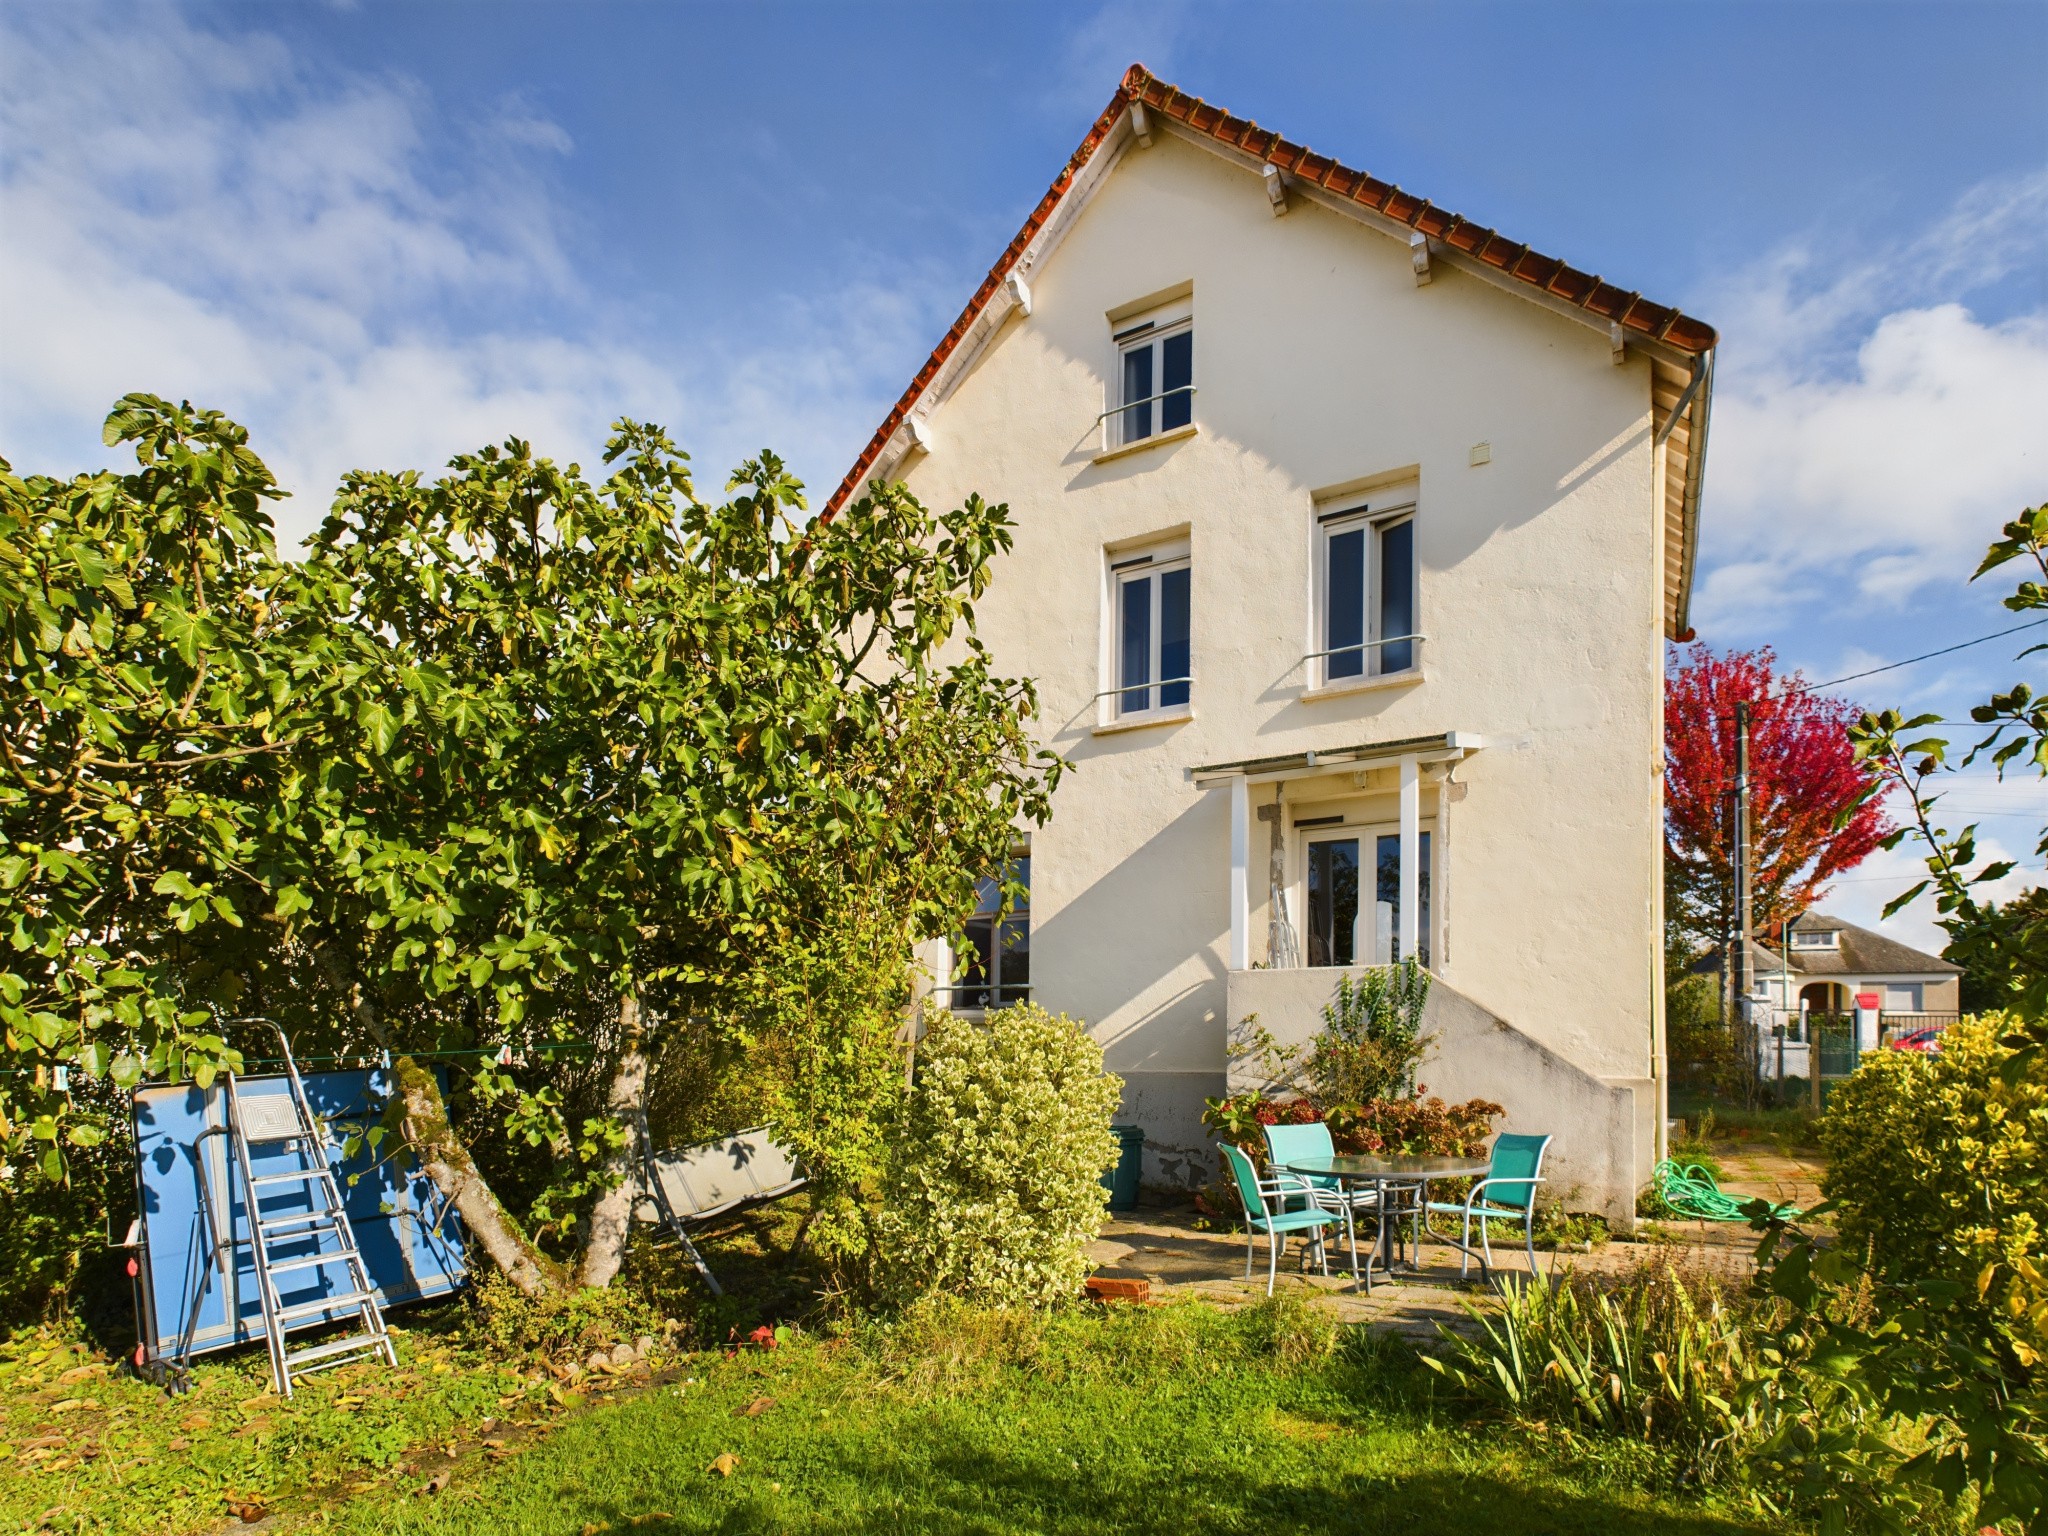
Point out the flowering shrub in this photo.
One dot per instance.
(1938, 1162)
(1415, 1126)
(995, 1189)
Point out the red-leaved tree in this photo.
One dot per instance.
(1804, 778)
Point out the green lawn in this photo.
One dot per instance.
(1178, 1419)
(85, 1445)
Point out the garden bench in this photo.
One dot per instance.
(690, 1186)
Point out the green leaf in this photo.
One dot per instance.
(1903, 900)
(376, 718)
(85, 1135)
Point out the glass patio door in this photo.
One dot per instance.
(1342, 930)
(1332, 900)
(1387, 905)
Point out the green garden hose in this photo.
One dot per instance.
(1691, 1191)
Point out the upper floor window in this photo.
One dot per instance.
(1818, 938)
(1155, 377)
(1152, 623)
(1368, 592)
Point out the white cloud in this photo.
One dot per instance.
(1801, 310)
(357, 277)
(192, 214)
(1870, 431)
(1889, 479)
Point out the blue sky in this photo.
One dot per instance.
(379, 233)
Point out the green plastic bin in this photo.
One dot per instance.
(1122, 1180)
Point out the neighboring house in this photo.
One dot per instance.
(1349, 534)
(1835, 967)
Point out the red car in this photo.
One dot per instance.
(1927, 1041)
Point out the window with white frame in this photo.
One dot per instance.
(1368, 611)
(1150, 633)
(994, 948)
(1351, 892)
(1817, 938)
(1155, 377)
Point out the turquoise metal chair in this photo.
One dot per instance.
(1265, 1210)
(1507, 1193)
(1293, 1143)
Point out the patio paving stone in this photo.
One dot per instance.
(1161, 1242)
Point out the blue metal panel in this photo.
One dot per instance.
(188, 1185)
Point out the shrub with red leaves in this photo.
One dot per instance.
(1418, 1126)
(1415, 1127)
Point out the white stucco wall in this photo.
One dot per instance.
(1320, 362)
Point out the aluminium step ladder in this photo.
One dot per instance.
(286, 1121)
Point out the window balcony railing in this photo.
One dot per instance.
(980, 997)
(1400, 662)
(1132, 405)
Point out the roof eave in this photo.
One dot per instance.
(1695, 482)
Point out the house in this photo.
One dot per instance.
(1349, 535)
(1834, 967)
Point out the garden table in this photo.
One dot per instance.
(1388, 1174)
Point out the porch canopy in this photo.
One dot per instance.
(1410, 754)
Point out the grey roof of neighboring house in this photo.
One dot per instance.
(1859, 952)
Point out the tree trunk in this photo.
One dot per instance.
(448, 1163)
(611, 1222)
(442, 1155)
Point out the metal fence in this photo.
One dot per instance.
(1897, 1027)
(1806, 1054)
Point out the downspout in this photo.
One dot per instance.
(1698, 396)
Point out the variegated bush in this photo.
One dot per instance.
(995, 1186)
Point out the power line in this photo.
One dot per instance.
(1893, 666)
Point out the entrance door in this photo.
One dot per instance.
(1340, 929)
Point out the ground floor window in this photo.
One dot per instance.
(996, 946)
(1343, 929)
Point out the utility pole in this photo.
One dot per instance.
(1739, 967)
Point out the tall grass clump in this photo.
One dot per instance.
(1652, 1359)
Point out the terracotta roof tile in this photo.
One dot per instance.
(1546, 273)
